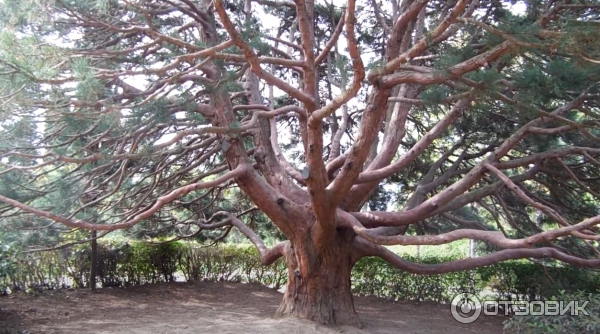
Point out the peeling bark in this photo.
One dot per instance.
(319, 287)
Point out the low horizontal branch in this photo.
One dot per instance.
(369, 249)
(267, 256)
(160, 202)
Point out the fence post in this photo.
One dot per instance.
(94, 260)
(471, 248)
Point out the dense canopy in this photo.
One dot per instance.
(344, 126)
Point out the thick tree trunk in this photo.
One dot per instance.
(319, 286)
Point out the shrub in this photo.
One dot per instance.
(524, 280)
(560, 324)
(375, 277)
(138, 263)
(7, 254)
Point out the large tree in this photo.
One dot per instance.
(350, 126)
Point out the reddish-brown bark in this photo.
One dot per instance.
(319, 285)
(317, 209)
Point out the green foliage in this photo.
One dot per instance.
(531, 281)
(487, 77)
(520, 280)
(7, 255)
(375, 277)
(451, 56)
(138, 263)
(231, 264)
(568, 76)
(560, 324)
(435, 94)
(17, 12)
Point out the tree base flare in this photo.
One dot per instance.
(329, 309)
(319, 287)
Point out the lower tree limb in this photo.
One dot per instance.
(319, 287)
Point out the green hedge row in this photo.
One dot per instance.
(374, 277)
(565, 323)
(511, 280)
(140, 263)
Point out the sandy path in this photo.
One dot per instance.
(183, 308)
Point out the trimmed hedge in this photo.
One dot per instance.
(560, 324)
(511, 280)
(524, 280)
(374, 277)
(139, 263)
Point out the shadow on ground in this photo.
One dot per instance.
(186, 308)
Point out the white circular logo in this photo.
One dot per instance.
(465, 308)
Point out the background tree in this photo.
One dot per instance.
(349, 126)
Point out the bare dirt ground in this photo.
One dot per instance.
(186, 308)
